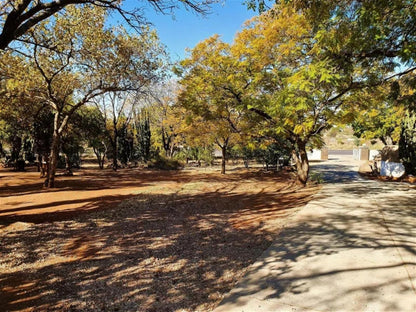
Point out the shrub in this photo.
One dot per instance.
(163, 163)
(407, 143)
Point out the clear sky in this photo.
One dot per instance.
(186, 28)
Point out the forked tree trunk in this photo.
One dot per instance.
(302, 163)
(223, 147)
(100, 158)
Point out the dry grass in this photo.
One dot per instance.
(179, 244)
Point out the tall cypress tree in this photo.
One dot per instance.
(407, 143)
(143, 136)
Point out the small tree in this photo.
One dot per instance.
(72, 149)
(407, 143)
(213, 90)
(42, 132)
(92, 125)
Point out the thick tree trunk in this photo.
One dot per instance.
(302, 163)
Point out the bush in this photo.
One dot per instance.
(164, 164)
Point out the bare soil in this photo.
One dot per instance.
(136, 240)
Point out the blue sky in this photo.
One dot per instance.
(186, 29)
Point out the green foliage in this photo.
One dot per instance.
(125, 145)
(42, 131)
(378, 116)
(93, 128)
(317, 177)
(407, 143)
(28, 149)
(197, 153)
(214, 93)
(71, 146)
(273, 154)
(163, 163)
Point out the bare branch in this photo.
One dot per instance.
(28, 13)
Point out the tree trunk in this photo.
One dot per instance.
(171, 151)
(100, 157)
(68, 166)
(53, 160)
(44, 166)
(302, 163)
(223, 158)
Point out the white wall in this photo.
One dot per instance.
(315, 155)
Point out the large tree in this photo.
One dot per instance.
(308, 59)
(295, 89)
(18, 17)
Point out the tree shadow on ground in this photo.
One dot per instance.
(336, 173)
(83, 206)
(95, 179)
(151, 253)
(383, 225)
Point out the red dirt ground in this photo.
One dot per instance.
(136, 240)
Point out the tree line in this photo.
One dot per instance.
(302, 67)
(293, 72)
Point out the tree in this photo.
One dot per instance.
(42, 133)
(18, 113)
(71, 147)
(364, 31)
(88, 61)
(117, 110)
(125, 143)
(19, 17)
(93, 128)
(292, 87)
(309, 59)
(213, 90)
(166, 117)
(407, 143)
